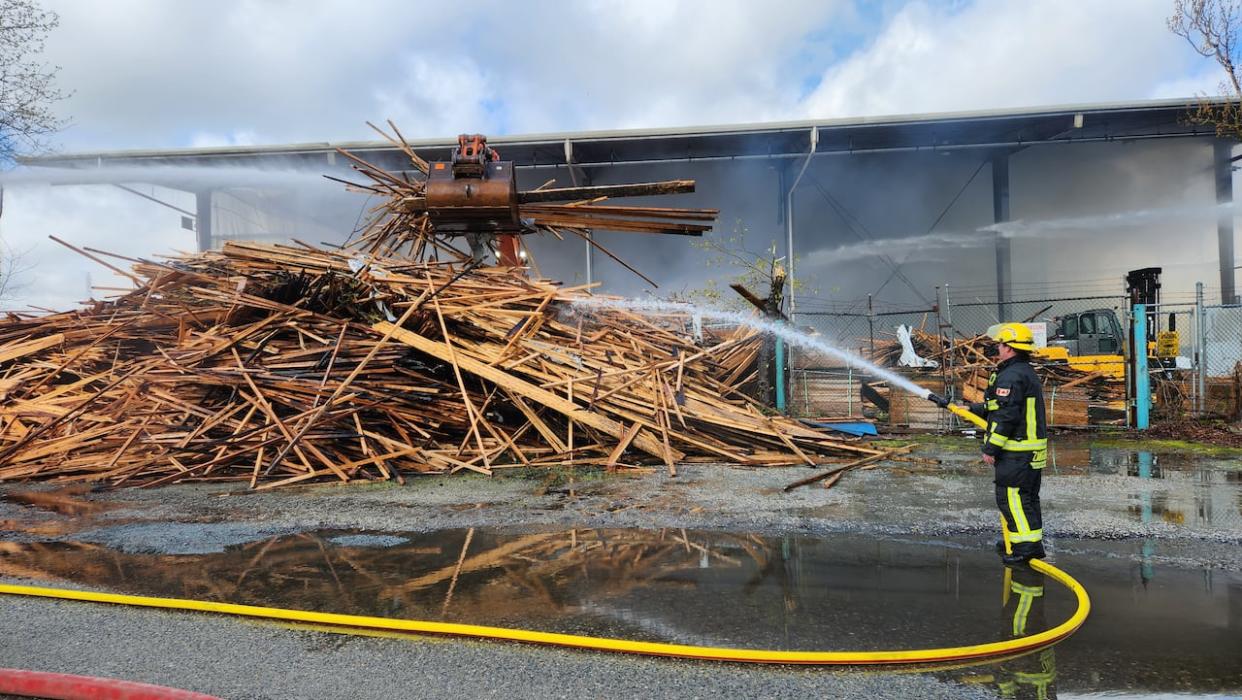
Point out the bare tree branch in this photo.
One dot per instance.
(27, 94)
(1211, 28)
(12, 269)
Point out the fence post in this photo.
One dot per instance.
(871, 325)
(780, 376)
(949, 332)
(1201, 358)
(849, 392)
(1142, 382)
(806, 392)
(948, 309)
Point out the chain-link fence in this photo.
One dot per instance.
(859, 331)
(858, 328)
(1222, 339)
(1195, 351)
(1219, 390)
(822, 387)
(1173, 349)
(827, 393)
(972, 318)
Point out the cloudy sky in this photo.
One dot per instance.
(199, 73)
(164, 74)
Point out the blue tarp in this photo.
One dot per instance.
(857, 429)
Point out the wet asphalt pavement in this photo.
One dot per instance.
(1154, 533)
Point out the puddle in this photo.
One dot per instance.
(39, 509)
(689, 587)
(1070, 457)
(66, 500)
(1176, 630)
(1177, 489)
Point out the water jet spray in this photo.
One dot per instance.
(790, 335)
(784, 331)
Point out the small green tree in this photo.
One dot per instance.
(764, 275)
(763, 272)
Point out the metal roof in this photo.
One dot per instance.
(899, 133)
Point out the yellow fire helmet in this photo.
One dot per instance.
(1015, 335)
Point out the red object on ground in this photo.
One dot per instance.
(59, 686)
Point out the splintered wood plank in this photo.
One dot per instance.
(621, 446)
(846, 467)
(12, 351)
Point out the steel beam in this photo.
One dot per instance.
(1000, 214)
(1222, 152)
(157, 200)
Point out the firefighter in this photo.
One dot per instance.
(1015, 443)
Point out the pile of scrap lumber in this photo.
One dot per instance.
(1073, 396)
(399, 355)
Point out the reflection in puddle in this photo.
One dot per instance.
(1166, 489)
(1181, 632)
(705, 588)
(1175, 489)
(70, 501)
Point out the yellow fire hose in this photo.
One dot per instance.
(361, 624)
(343, 623)
(965, 414)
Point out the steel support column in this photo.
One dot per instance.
(1222, 153)
(781, 375)
(202, 219)
(1000, 214)
(789, 220)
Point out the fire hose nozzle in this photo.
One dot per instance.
(938, 400)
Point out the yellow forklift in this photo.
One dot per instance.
(1095, 341)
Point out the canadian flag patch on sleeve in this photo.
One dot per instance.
(1002, 391)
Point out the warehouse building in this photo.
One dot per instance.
(882, 214)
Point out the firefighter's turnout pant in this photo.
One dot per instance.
(1017, 496)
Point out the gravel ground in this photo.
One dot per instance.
(1096, 509)
(241, 660)
(1194, 506)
